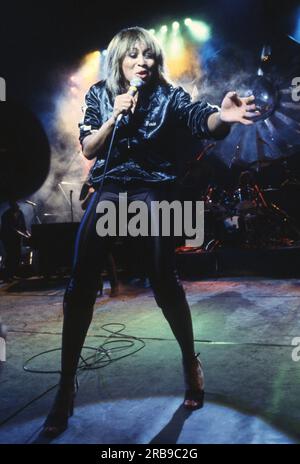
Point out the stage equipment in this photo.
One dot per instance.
(275, 133)
(24, 152)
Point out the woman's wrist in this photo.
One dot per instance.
(111, 121)
(217, 126)
(219, 122)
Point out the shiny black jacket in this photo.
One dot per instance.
(143, 149)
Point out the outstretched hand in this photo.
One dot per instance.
(238, 109)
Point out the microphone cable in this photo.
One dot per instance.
(135, 85)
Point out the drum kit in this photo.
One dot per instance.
(248, 216)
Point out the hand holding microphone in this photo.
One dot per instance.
(124, 102)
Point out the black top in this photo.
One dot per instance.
(143, 149)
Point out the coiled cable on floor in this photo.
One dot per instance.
(116, 342)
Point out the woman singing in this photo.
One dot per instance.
(141, 164)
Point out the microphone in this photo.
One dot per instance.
(135, 85)
(71, 205)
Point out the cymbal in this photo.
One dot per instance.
(287, 184)
(269, 162)
(260, 164)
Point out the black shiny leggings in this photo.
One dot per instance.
(81, 292)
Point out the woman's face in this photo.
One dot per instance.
(138, 62)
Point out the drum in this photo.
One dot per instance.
(216, 201)
(245, 199)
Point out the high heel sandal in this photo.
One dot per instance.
(194, 383)
(62, 409)
(100, 290)
(114, 291)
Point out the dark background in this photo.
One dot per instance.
(41, 40)
(38, 37)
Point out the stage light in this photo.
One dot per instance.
(199, 30)
(175, 26)
(182, 61)
(104, 52)
(176, 46)
(188, 21)
(162, 35)
(90, 68)
(152, 31)
(175, 43)
(297, 28)
(93, 59)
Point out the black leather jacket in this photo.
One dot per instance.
(143, 147)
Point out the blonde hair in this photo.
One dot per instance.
(116, 52)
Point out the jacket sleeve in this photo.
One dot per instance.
(92, 119)
(194, 116)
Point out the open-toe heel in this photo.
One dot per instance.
(100, 289)
(194, 383)
(62, 409)
(114, 291)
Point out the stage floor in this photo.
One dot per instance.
(244, 327)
